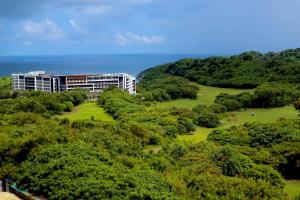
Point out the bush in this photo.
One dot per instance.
(69, 106)
(209, 120)
(230, 102)
(274, 95)
(222, 187)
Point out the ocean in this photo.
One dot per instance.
(82, 64)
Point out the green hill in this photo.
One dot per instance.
(246, 70)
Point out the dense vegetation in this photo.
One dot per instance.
(42, 102)
(60, 159)
(5, 87)
(149, 124)
(246, 70)
(276, 144)
(137, 155)
(166, 88)
(267, 95)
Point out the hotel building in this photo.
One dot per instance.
(95, 83)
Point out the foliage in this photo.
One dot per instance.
(206, 115)
(76, 171)
(297, 104)
(275, 95)
(43, 102)
(167, 88)
(265, 96)
(138, 156)
(5, 88)
(143, 122)
(201, 187)
(246, 70)
(94, 159)
(209, 120)
(275, 144)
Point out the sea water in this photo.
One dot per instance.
(86, 64)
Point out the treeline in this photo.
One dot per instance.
(167, 88)
(247, 70)
(42, 102)
(267, 95)
(5, 87)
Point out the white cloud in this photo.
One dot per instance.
(121, 39)
(46, 31)
(74, 24)
(132, 38)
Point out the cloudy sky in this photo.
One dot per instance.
(147, 26)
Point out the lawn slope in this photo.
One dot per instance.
(86, 111)
(206, 95)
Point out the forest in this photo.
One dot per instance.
(246, 70)
(137, 155)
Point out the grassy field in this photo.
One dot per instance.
(237, 118)
(292, 188)
(199, 135)
(86, 111)
(260, 115)
(206, 95)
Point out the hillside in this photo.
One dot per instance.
(246, 70)
(174, 140)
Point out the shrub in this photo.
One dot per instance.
(209, 120)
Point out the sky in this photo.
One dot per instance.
(43, 27)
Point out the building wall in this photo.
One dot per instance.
(93, 83)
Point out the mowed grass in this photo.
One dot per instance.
(238, 118)
(199, 135)
(86, 111)
(206, 95)
(292, 188)
(260, 115)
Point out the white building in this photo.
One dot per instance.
(37, 80)
(95, 83)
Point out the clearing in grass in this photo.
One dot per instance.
(238, 118)
(206, 95)
(87, 111)
(259, 115)
(199, 135)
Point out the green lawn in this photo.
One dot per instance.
(199, 135)
(206, 95)
(86, 111)
(238, 118)
(260, 115)
(292, 188)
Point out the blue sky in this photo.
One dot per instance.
(147, 26)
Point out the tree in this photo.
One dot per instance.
(209, 120)
(297, 104)
(274, 95)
